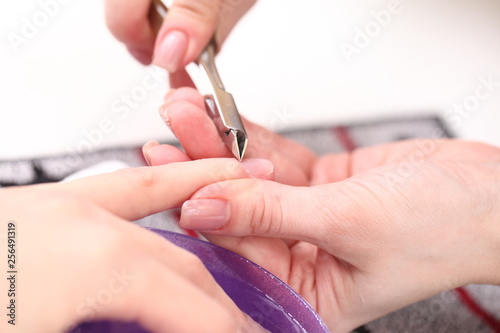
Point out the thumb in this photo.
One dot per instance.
(254, 207)
(186, 31)
(189, 26)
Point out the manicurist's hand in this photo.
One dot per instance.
(382, 228)
(186, 31)
(79, 259)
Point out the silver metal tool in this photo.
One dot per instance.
(220, 104)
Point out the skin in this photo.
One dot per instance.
(357, 234)
(79, 259)
(392, 224)
(198, 19)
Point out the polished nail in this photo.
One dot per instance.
(205, 214)
(171, 51)
(258, 168)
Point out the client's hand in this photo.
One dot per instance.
(381, 228)
(79, 259)
(184, 112)
(389, 226)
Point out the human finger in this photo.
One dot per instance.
(134, 193)
(128, 22)
(156, 154)
(188, 27)
(184, 112)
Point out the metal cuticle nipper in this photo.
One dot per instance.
(220, 104)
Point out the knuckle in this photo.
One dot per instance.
(142, 178)
(194, 269)
(267, 212)
(194, 265)
(201, 11)
(67, 203)
(108, 244)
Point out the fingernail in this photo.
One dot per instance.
(143, 56)
(146, 148)
(171, 51)
(205, 214)
(258, 168)
(164, 116)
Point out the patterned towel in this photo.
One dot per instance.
(474, 308)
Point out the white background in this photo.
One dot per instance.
(283, 58)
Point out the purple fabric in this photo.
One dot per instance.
(258, 293)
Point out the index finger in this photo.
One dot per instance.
(134, 193)
(186, 114)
